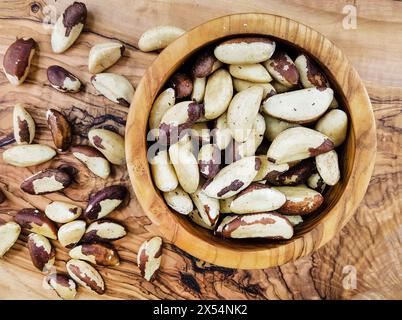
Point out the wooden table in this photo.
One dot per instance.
(367, 250)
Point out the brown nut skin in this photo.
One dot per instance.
(104, 231)
(282, 69)
(63, 285)
(100, 254)
(294, 176)
(73, 15)
(105, 201)
(204, 64)
(17, 60)
(149, 257)
(63, 80)
(86, 275)
(46, 181)
(209, 168)
(36, 221)
(60, 129)
(300, 200)
(41, 252)
(182, 85)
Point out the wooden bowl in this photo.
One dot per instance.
(356, 158)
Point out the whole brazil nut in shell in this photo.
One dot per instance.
(63, 285)
(257, 198)
(310, 75)
(35, 221)
(93, 159)
(70, 234)
(297, 144)
(96, 253)
(60, 129)
(114, 87)
(23, 125)
(105, 201)
(86, 275)
(245, 50)
(17, 60)
(68, 27)
(208, 207)
(28, 155)
(46, 181)
(41, 252)
(300, 200)
(104, 55)
(104, 231)
(328, 167)
(182, 85)
(9, 233)
(282, 69)
(233, 178)
(268, 225)
(205, 64)
(109, 143)
(162, 170)
(149, 257)
(179, 200)
(62, 212)
(300, 106)
(63, 80)
(159, 37)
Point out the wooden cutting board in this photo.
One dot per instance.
(367, 250)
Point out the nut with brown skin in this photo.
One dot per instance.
(104, 231)
(68, 27)
(269, 170)
(114, 87)
(46, 181)
(182, 85)
(93, 159)
(205, 64)
(282, 69)
(197, 219)
(105, 201)
(316, 183)
(269, 225)
(86, 275)
(9, 233)
(104, 55)
(70, 234)
(24, 125)
(310, 75)
(36, 222)
(296, 175)
(209, 160)
(41, 252)
(149, 257)
(96, 253)
(17, 60)
(163, 102)
(28, 155)
(63, 80)
(62, 212)
(60, 129)
(208, 207)
(328, 167)
(63, 285)
(109, 143)
(179, 200)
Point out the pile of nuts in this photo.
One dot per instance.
(242, 138)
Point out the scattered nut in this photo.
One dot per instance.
(300, 200)
(104, 55)
(24, 125)
(93, 159)
(9, 233)
(41, 251)
(104, 231)
(96, 253)
(105, 201)
(68, 27)
(60, 129)
(28, 155)
(250, 72)
(63, 80)
(182, 85)
(159, 37)
(110, 144)
(46, 181)
(86, 275)
(114, 87)
(208, 207)
(35, 221)
(17, 60)
(179, 200)
(70, 234)
(62, 212)
(149, 257)
(62, 285)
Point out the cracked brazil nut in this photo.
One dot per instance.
(68, 27)
(60, 129)
(149, 257)
(96, 253)
(63, 80)
(104, 231)
(104, 55)
(17, 60)
(105, 201)
(93, 159)
(86, 275)
(9, 233)
(110, 144)
(46, 181)
(23, 124)
(35, 221)
(41, 252)
(63, 285)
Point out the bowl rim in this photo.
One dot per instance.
(361, 127)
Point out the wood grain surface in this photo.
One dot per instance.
(369, 246)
